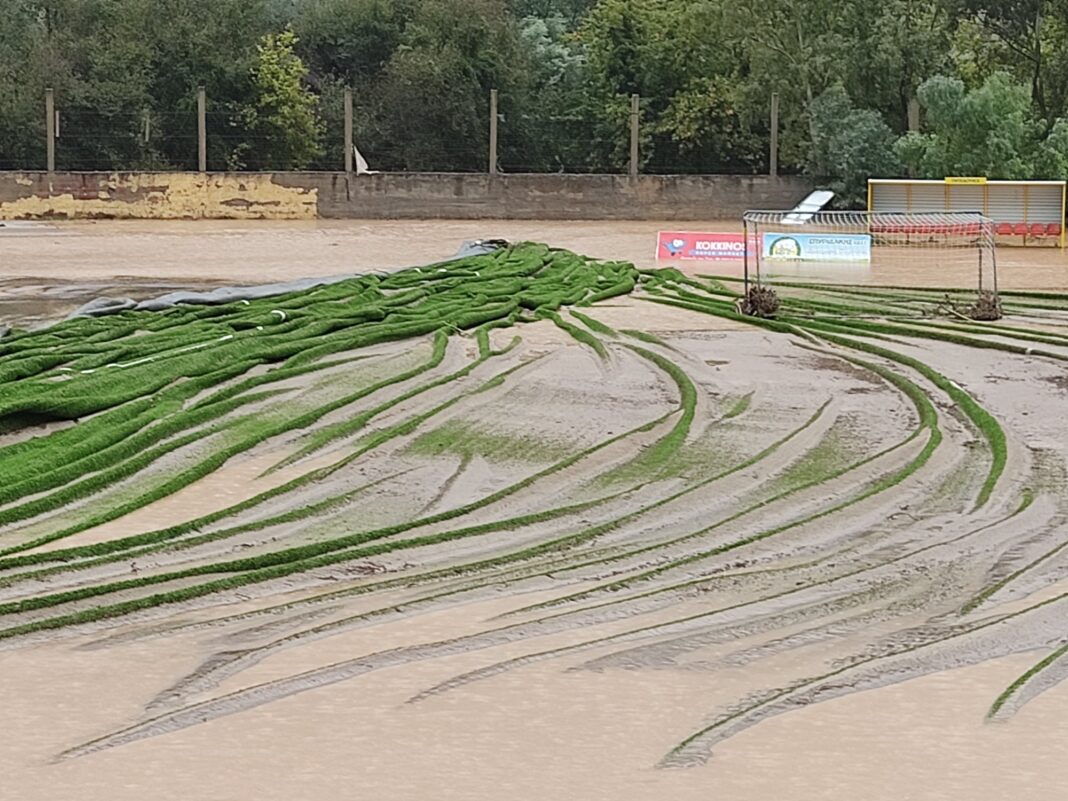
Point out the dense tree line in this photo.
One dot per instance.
(990, 76)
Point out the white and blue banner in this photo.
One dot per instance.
(817, 247)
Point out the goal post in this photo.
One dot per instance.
(952, 249)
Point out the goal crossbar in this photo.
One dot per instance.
(881, 221)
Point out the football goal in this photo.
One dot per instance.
(956, 250)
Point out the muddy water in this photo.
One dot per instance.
(540, 732)
(249, 252)
(920, 740)
(236, 481)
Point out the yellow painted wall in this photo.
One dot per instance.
(161, 196)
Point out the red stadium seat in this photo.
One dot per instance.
(1020, 229)
(1038, 229)
(1004, 229)
(1053, 229)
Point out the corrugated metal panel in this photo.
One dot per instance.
(928, 197)
(1002, 202)
(1005, 203)
(1044, 204)
(966, 197)
(889, 197)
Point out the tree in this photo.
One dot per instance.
(430, 108)
(849, 145)
(1034, 34)
(569, 10)
(90, 54)
(282, 117)
(704, 131)
(900, 44)
(23, 71)
(697, 112)
(989, 131)
(796, 48)
(541, 129)
(350, 39)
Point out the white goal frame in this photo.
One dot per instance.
(956, 229)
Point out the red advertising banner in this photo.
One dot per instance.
(677, 245)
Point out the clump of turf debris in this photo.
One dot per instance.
(986, 307)
(759, 301)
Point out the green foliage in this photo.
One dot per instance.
(569, 10)
(126, 72)
(705, 124)
(350, 39)
(988, 131)
(902, 43)
(849, 145)
(282, 117)
(1029, 38)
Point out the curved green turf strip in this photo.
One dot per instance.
(594, 325)
(986, 423)
(162, 537)
(187, 352)
(1024, 679)
(275, 564)
(928, 421)
(301, 554)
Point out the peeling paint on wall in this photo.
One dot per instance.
(161, 196)
(335, 195)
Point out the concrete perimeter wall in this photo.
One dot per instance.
(313, 195)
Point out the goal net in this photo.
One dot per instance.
(934, 249)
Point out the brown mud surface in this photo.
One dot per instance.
(806, 602)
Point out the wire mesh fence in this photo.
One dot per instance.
(392, 140)
(90, 139)
(568, 143)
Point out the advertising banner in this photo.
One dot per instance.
(817, 247)
(688, 245)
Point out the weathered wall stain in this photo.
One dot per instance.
(152, 196)
(307, 195)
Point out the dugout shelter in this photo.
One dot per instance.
(1023, 212)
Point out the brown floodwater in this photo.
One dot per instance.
(251, 252)
(540, 732)
(550, 729)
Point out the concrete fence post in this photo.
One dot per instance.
(50, 130)
(348, 130)
(913, 113)
(773, 156)
(493, 133)
(635, 124)
(202, 129)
